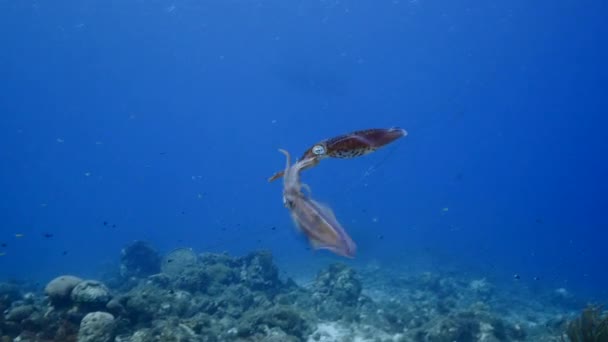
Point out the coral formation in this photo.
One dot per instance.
(220, 298)
(90, 293)
(96, 327)
(590, 326)
(177, 260)
(139, 259)
(336, 293)
(60, 289)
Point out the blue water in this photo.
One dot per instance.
(161, 120)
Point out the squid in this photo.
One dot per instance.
(314, 219)
(350, 145)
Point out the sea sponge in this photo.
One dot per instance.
(59, 289)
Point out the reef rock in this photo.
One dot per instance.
(336, 292)
(59, 289)
(259, 273)
(475, 325)
(145, 302)
(96, 327)
(287, 321)
(19, 313)
(139, 259)
(91, 293)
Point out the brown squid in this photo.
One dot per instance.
(351, 145)
(315, 220)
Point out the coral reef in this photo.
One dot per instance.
(220, 298)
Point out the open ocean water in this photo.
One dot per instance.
(137, 138)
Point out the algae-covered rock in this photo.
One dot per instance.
(147, 302)
(96, 327)
(234, 301)
(222, 274)
(59, 289)
(139, 259)
(91, 293)
(166, 330)
(336, 292)
(286, 319)
(142, 303)
(219, 258)
(192, 278)
(340, 283)
(473, 325)
(463, 327)
(258, 272)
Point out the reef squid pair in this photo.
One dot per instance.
(314, 219)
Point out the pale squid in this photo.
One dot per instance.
(315, 220)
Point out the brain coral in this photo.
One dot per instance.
(91, 292)
(60, 288)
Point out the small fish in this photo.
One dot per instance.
(47, 235)
(3, 245)
(19, 235)
(2, 254)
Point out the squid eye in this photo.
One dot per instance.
(318, 149)
(287, 203)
